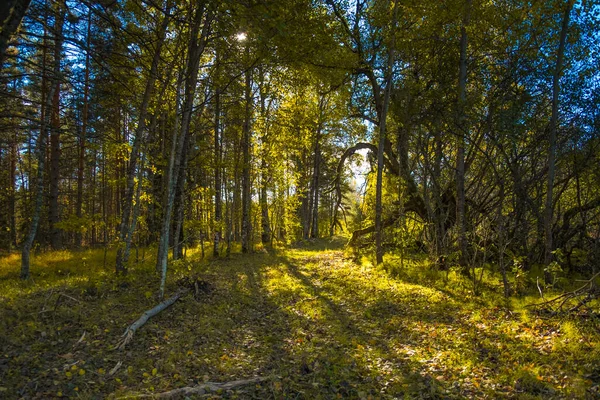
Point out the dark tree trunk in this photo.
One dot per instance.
(125, 224)
(314, 232)
(246, 137)
(461, 135)
(83, 136)
(38, 199)
(196, 48)
(265, 236)
(53, 211)
(11, 14)
(383, 109)
(178, 235)
(217, 154)
(549, 209)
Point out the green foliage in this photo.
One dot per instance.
(73, 223)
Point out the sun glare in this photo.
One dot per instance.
(240, 37)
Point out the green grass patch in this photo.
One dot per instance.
(314, 321)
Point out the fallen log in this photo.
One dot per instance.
(131, 329)
(201, 389)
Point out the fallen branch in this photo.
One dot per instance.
(583, 295)
(200, 389)
(357, 234)
(131, 329)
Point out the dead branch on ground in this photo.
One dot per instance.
(131, 329)
(581, 296)
(201, 389)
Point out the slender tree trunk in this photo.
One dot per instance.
(217, 154)
(439, 214)
(195, 50)
(136, 210)
(83, 136)
(314, 232)
(53, 211)
(382, 139)
(246, 137)
(549, 207)
(41, 157)
(124, 226)
(12, 237)
(265, 236)
(461, 135)
(163, 241)
(501, 223)
(180, 202)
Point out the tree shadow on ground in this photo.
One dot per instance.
(317, 325)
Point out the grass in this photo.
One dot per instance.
(317, 323)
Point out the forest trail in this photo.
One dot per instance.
(316, 324)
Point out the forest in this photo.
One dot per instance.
(320, 199)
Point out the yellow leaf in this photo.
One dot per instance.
(68, 374)
(82, 372)
(154, 371)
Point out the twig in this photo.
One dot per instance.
(115, 368)
(537, 281)
(80, 339)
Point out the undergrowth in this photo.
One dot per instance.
(317, 323)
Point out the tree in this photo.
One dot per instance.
(11, 14)
(197, 43)
(549, 205)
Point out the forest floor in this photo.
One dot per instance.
(312, 321)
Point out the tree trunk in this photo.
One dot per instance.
(54, 176)
(180, 202)
(41, 157)
(314, 232)
(549, 208)
(124, 226)
(217, 154)
(83, 136)
(12, 237)
(461, 135)
(383, 109)
(11, 15)
(265, 236)
(246, 137)
(195, 50)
